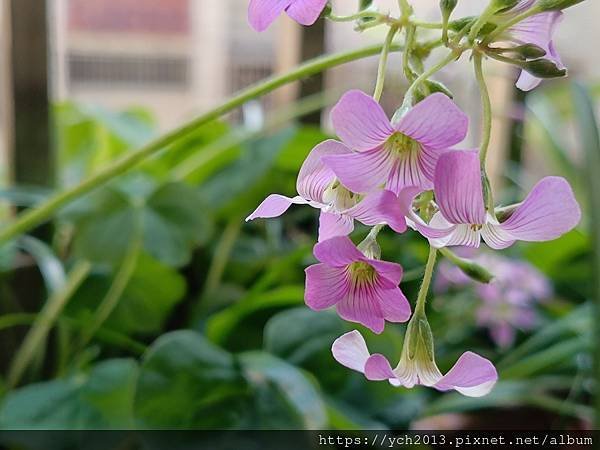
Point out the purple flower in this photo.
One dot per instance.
(549, 210)
(262, 13)
(537, 30)
(507, 304)
(472, 375)
(319, 188)
(363, 290)
(395, 155)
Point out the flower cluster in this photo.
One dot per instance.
(505, 305)
(406, 173)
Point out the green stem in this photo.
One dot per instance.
(32, 218)
(469, 268)
(115, 292)
(357, 16)
(45, 321)
(452, 56)
(110, 337)
(385, 51)
(506, 25)
(408, 48)
(486, 133)
(427, 276)
(481, 21)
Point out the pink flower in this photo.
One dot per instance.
(395, 155)
(537, 30)
(507, 303)
(363, 290)
(262, 13)
(472, 375)
(339, 207)
(549, 210)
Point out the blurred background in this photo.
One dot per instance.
(150, 303)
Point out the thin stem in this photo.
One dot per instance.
(452, 56)
(506, 25)
(408, 48)
(428, 25)
(481, 21)
(427, 276)
(106, 335)
(357, 16)
(486, 133)
(385, 51)
(469, 268)
(487, 108)
(115, 292)
(45, 321)
(32, 218)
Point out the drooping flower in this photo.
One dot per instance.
(472, 375)
(549, 211)
(393, 155)
(537, 30)
(262, 13)
(363, 289)
(508, 302)
(319, 188)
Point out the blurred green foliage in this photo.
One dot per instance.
(209, 329)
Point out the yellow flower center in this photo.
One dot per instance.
(402, 145)
(339, 198)
(362, 272)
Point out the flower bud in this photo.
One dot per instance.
(543, 68)
(447, 6)
(436, 86)
(529, 51)
(370, 248)
(365, 4)
(554, 5)
(460, 24)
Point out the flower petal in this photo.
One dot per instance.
(262, 13)
(549, 211)
(527, 82)
(337, 252)
(438, 228)
(333, 224)
(436, 122)
(394, 305)
(360, 121)
(495, 237)
(274, 206)
(314, 176)
(351, 351)
(306, 12)
(361, 305)
(378, 368)
(325, 286)
(389, 270)
(409, 169)
(472, 375)
(362, 172)
(458, 188)
(380, 207)
(537, 29)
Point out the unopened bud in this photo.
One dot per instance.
(530, 51)
(447, 6)
(460, 24)
(365, 4)
(544, 68)
(370, 248)
(556, 5)
(436, 86)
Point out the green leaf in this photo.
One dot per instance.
(186, 382)
(172, 218)
(263, 369)
(48, 263)
(99, 399)
(148, 299)
(297, 334)
(222, 324)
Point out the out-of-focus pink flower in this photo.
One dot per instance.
(472, 375)
(364, 290)
(319, 188)
(549, 211)
(262, 13)
(508, 303)
(392, 155)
